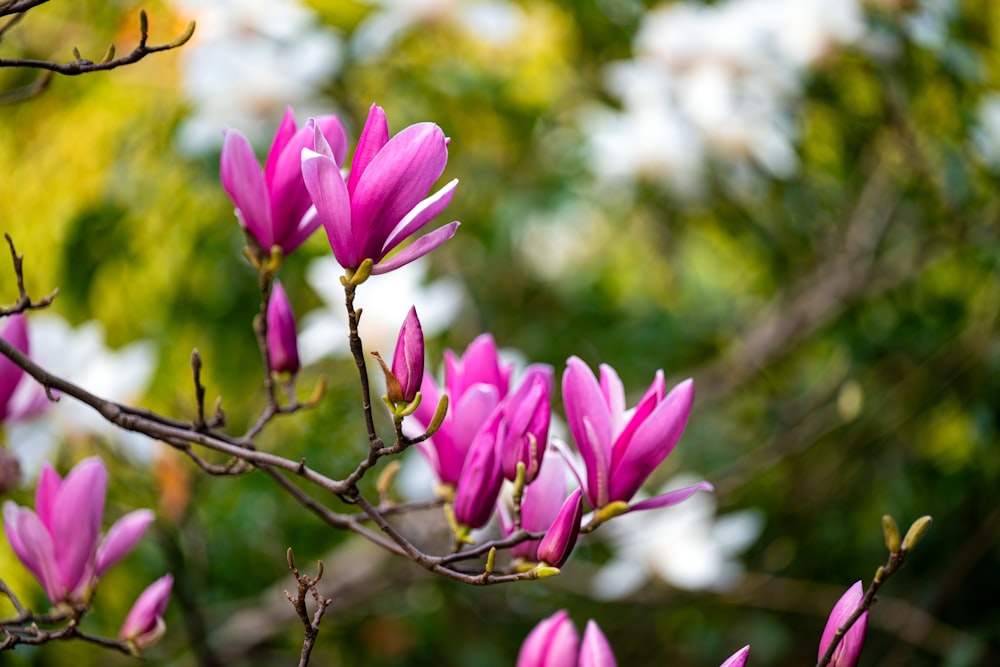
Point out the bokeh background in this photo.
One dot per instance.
(794, 203)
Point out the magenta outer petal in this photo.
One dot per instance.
(528, 413)
(76, 520)
(633, 460)
(417, 249)
(590, 424)
(638, 416)
(282, 342)
(614, 395)
(738, 659)
(121, 538)
(46, 493)
(561, 537)
(553, 643)
(671, 498)
(243, 180)
(329, 194)
(540, 504)
(595, 650)
(33, 546)
(847, 653)
(147, 612)
(309, 223)
(15, 332)
(479, 364)
(478, 487)
(396, 180)
(420, 215)
(373, 137)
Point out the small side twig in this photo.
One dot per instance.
(310, 623)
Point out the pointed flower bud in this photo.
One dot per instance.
(282, 343)
(60, 542)
(595, 650)
(16, 400)
(849, 649)
(144, 625)
(738, 659)
(561, 537)
(408, 359)
(525, 429)
(621, 448)
(272, 204)
(553, 643)
(384, 200)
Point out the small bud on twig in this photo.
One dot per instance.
(916, 533)
(891, 531)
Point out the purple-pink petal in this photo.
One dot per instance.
(46, 492)
(282, 341)
(590, 424)
(15, 332)
(595, 651)
(146, 616)
(672, 497)
(408, 358)
(76, 520)
(374, 137)
(32, 544)
(420, 215)
(243, 180)
(329, 194)
(422, 246)
(479, 485)
(121, 539)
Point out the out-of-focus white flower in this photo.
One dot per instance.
(685, 545)
(489, 21)
(715, 84)
(385, 299)
(250, 60)
(986, 134)
(80, 356)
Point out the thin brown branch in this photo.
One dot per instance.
(85, 66)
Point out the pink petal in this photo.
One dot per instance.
(847, 652)
(121, 539)
(553, 643)
(671, 498)
(76, 520)
(46, 492)
(738, 659)
(146, 615)
(595, 650)
(589, 422)
(15, 332)
(417, 249)
(32, 545)
(420, 215)
(373, 137)
(329, 194)
(243, 180)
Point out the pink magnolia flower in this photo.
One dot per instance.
(738, 659)
(282, 343)
(273, 204)
(408, 359)
(475, 384)
(384, 200)
(849, 649)
(555, 643)
(620, 448)
(144, 624)
(60, 541)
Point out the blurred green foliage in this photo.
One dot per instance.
(836, 383)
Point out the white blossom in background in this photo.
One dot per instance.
(715, 84)
(491, 21)
(685, 545)
(385, 302)
(986, 133)
(251, 59)
(81, 356)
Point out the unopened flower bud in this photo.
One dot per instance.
(144, 625)
(916, 533)
(282, 345)
(891, 530)
(560, 539)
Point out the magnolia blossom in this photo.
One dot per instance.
(620, 448)
(60, 540)
(524, 430)
(738, 659)
(555, 643)
(382, 203)
(20, 396)
(272, 204)
(849, 649)
(144, 624)
(282, 348)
